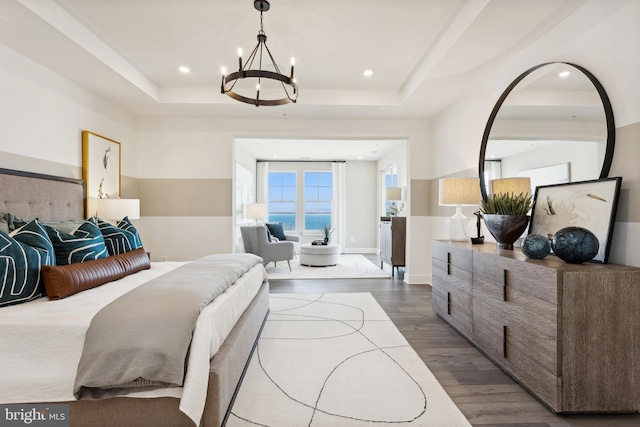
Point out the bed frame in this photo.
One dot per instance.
(52, 198)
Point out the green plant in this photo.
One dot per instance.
(327, 230)
(506, 204)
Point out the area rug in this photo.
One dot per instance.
(350, 267)
(329, 360)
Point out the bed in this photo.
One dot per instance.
(34, 332)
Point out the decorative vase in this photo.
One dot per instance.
(326, 240)
(506, 228)
(535, 246)
(575, 245)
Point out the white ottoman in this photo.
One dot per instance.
(319, 255)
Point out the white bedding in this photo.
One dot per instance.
(41, 341)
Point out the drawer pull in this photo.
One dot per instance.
(449, 303)
(448, 263)
(504, 342)
(504, 285)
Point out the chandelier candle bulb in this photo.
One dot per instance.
(293, 63)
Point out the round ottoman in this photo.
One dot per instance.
(319, 255)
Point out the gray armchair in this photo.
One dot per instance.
(256, 242)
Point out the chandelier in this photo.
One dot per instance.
(245, 71)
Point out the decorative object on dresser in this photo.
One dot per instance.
(535, 246)
(587, 204)
(458, 192)
(568, 333)
(521, 141)
(393, 239)
(505, 216)
(575, 245)
(393, 194)
(479, 239)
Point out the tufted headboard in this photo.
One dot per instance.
(47, 197)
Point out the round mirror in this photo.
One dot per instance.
(553, 124)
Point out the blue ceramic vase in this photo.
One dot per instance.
(535, 246)
(575, 245)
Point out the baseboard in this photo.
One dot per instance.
(417, 279)
(361, 250)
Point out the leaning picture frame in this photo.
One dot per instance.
(587, 204)
(100, 168)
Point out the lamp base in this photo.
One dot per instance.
(458, 226)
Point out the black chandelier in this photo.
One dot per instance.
(246, 72)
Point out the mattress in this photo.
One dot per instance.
(42, 340)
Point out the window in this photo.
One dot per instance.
(282, 198)
(318, 194)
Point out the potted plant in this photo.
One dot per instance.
(505, 216)
(327, 231)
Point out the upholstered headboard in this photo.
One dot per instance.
(47, 197)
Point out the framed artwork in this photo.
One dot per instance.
(100, 168)
(587, 204)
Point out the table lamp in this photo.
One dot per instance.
(393, 194)
(257, 212)
(515, 186)
(116, 209)
(458, 192)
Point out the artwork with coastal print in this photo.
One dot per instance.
(587, 204)
(100, 168)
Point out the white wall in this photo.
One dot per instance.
(42, 117)
(361, 197)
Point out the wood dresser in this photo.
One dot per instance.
(568, 333)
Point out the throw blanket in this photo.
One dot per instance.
(142, 339)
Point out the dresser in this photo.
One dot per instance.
(393, 238)
(568, 333)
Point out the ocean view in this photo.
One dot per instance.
(311, 221)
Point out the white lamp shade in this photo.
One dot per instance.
(116, 209)
(516, 186)
(393, 193)
(459, 191)
(256, 211)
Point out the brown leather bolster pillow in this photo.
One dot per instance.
(60, 281)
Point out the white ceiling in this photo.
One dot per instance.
(425, 54)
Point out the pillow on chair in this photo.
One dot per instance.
(277, 230)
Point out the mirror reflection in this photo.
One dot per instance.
(554, 124)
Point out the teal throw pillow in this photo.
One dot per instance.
(20, 271)
(33, 234)
(277, 230)
(84, 244)
(118, 239)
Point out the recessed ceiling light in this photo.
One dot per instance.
(359, 157)
(184, 70)
(368, 73)
(274, 157)
(564, 73)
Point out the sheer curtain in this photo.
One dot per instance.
(262, 182)
(338, 211)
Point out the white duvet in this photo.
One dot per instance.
(41, 341)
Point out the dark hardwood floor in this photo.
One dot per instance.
(484, 393)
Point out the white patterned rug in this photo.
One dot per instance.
(337, 360)
(350, 267)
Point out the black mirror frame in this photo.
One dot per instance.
(608, 111)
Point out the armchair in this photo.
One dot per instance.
(256, 242)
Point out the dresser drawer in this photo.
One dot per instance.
(514, 352)
(526, 277)
(459, 256)
(455, 307)
(541, 347)
(448, 274)
(517, 306)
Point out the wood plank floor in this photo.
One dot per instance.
(486, 395)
